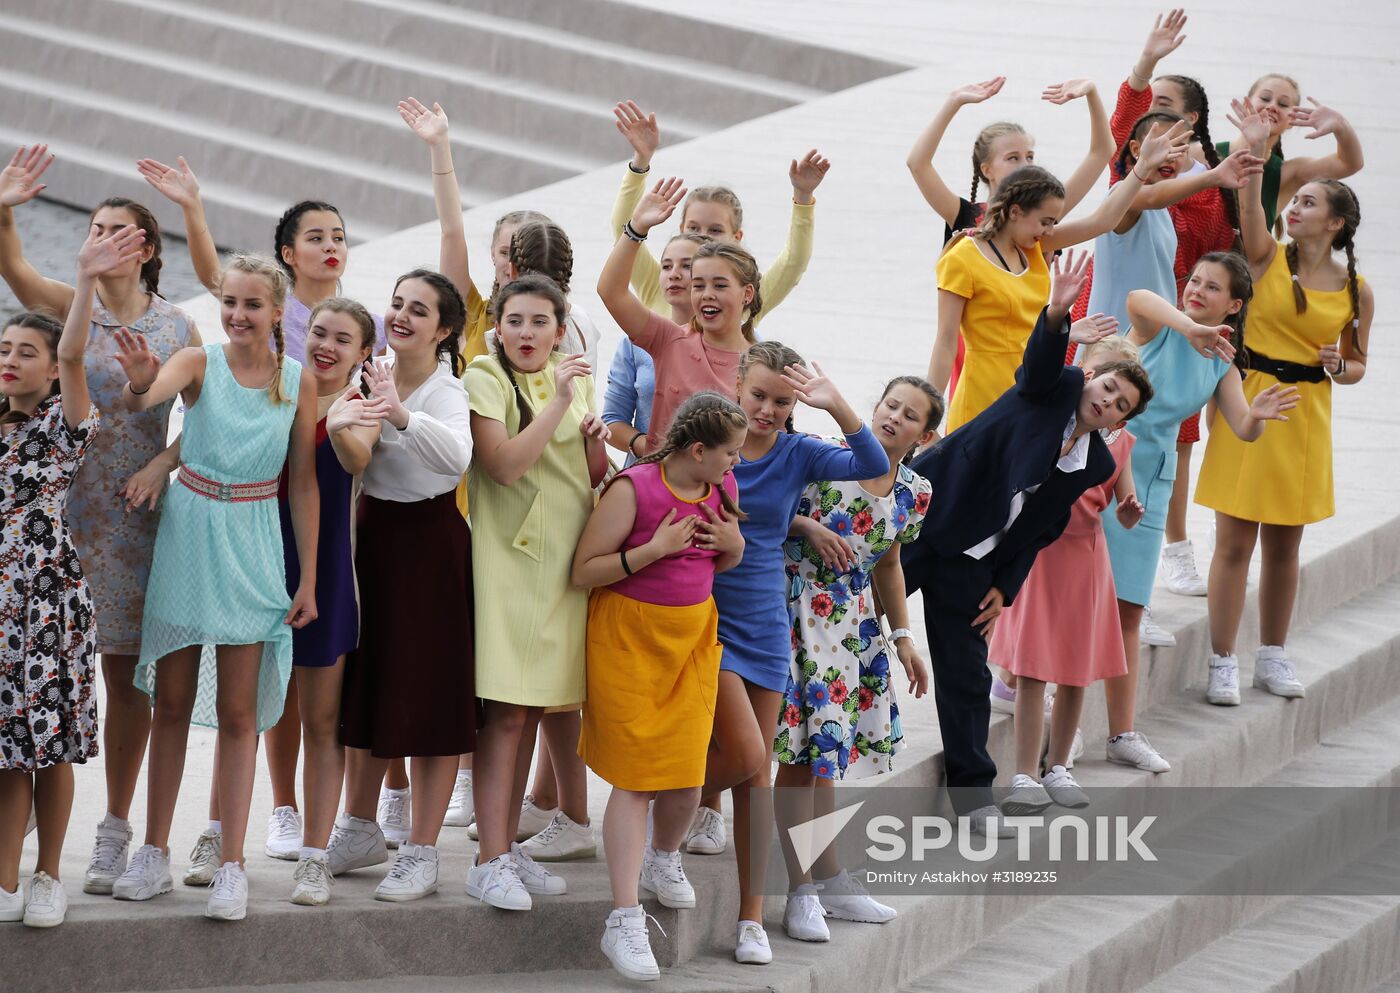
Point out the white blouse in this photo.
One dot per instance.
(429, 457)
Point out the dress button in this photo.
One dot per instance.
(675, 389)
(543, 395)
(524, 542)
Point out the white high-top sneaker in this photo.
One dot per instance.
(1273, 671)
(1223, 690)
(1178, 569)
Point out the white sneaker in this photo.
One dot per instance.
(534, 877)
(393, 816)
(1273, 671)
(628, 946)
(1060, 786)
(461, 810)
(844, 898)
(751, 944)
(284, 834)
(205, 858)
(533, 820)
(989, 821)
(1076, 748)
(1153, 633)
(1133, 749)
(497, 883)
(109, 853)
(1178, 569)
(1026, 799)
(1223, 690)
(803, 917)
(47, 903)
(664, 876)
(147, 875)
(562, 840)
(12, 904)
(313, 882)
(413, 875)
(229, 901)
(707, 833)
(355, 844)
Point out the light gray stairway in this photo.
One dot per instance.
(272, 102)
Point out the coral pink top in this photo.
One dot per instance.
(682, 579)
(685, 365)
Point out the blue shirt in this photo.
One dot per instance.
(752, 597)
(631, 387)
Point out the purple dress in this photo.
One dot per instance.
(336, 629)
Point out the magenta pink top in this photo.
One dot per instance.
(685, 365)
(682, 579)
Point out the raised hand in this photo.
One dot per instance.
(140, 364)
(351, 410)
(19, 181)
(1212, 341)
(1323, 120)
(672, 536)
(1095, 327)
(100, 255)
(1069, 272)
(1161, 144)
(383, 390)
(1253, 126)
(813, 388)
(1271, 403)
(640, 130)
(1236, 169)
(1072, 89)
(1166, 35)
(593, 426)
(566, 373)
(1130, 511)
(177, 185)
(430, 125)
(658, 204)
(806, 174)
(720, 532)
(977, 92)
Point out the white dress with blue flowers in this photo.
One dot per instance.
(839, 711)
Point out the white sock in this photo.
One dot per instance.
(385, 791)
(216, 827)
(312, 853)
(113, 820)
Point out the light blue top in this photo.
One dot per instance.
(753, 596)
(631, 387)
(1141, 259)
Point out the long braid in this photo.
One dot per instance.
(520, 405)
(1300, 299)
(1194, 101)
(976, 180)
(278, 283)
(275, 389)
(1354, 292)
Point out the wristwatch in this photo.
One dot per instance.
(899, 633)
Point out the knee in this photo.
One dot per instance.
(756, 760)
(173, 705)
(237, 717)
(321, 729)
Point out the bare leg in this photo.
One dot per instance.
(237, 706)
(1278, 581)
(795, 806)
(396, 777)
(1181, 495)
(16, 798)
(1064, 720)
(53, 805)
(126, 727)
(435, 776)
(1030, 725)
(324, 767)
(1120, 692)
(1229, 575)
(671, 817)
(739, 747)
(561, 733)
(824, 802)
(545, 788)
(753, 811)
(493, 776)
(283, 742)
(465, 762)
(177, 679)
(624, 836)
(363, 774)
(525, 752)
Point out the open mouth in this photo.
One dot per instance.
(401, 332)
(889, 431)
(323, 362)
(710, 313)
(762, 425)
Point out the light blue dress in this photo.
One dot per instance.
(1141, 259)
(1182, 381)
(217, 577)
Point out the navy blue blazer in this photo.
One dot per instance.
(1011, 446)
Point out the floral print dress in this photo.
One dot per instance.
(839, 711)
(48, 641)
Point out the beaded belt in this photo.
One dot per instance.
(226, 492)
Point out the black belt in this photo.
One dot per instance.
(1284, 372)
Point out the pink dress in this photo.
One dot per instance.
(1063, 626)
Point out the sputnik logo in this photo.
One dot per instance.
(811, 838)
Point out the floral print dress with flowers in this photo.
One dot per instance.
(48, 640)
(839, 711)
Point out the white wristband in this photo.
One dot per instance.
(899, 633)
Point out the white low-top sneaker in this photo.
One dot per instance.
(627, 944)
(47, 903)
(1132, 748)
(751, 944)
(707, 835)
(534, 877)
(1153, 633)
(229, 901)
(803, 917)
(356, 844)
(393, 816)
(1223, 688)
(205, 858)
(12, 904)
(1178, 569)
(146, 876)
(844, 898)
(109, 855)
(461, 809)
(1026, 798)
(313, 882)
(562, 840)
(989, 821)
(1273, 671)
(1063, 790)
(284, 834)
(413, 875)
(496, 882)
(664, 876)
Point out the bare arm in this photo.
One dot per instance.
(920, 161)
(432, 127)
(1247, 418)
(888, 579)
(353, 424)
(945, 345)
(181, 187)
(19, 183)
(1101, 145)
(151, 383)
(505, 458)
(305, 496)
(598, 558)
(655, 207)
(1346, 161)
(1150, 315)
(1259, 244)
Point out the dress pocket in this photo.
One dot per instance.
(529, 536)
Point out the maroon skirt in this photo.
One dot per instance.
(410, 686)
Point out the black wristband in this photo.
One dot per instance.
(135, 392)
(639, 172)
(633, 233)
(622, 554)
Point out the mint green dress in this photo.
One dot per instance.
(217, 577)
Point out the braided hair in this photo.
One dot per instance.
(1341, 202)
(705, 419)
(289, 226)
(512, 217)
(745, 270)
(1027, 188)
(1194, 101)
(982, 149)
(1141, 126)
(51, 331)
(277, 284)
(531, 285)
(452, 314)
(146, 221)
